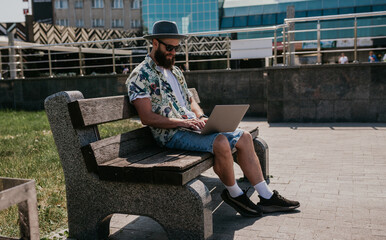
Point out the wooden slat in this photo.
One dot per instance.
(181, 178)
(93, 111)
(117, 146)
(184, 161)
(136, 168)
(167, 155)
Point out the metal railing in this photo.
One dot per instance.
(69, 59)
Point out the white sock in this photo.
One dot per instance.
(263, 190)
(234, 190)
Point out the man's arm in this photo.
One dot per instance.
(196, 109)
(149, 118)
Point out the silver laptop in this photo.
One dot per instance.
(224, 118)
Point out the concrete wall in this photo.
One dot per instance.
(328, 93)
(29, 94)
(246, 86)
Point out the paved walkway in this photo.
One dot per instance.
(336, 171)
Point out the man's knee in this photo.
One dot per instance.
(245, 140)
(221, 145)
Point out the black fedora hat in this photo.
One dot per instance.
(164, 29)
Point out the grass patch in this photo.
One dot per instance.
(27, 150)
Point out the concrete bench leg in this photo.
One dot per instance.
(183, 211)
(261, 149)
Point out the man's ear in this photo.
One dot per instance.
(155, 43)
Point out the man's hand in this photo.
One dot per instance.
(195, 124)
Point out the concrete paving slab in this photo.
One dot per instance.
(336, 171)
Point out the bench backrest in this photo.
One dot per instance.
(86, 114)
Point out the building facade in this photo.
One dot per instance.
(190, 15)
(250, 13)
(107, 14)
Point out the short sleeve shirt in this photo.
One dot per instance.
(146, 80)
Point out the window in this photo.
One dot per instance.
(97, 4)
(135, 23)
(314, 13)
(346, 10)
(135, 4)
(98, 22)
(79, 23)
(117, 3)
(300, 14)
(62, 22)
(227, 22)
(79, 4)
(269, 19)
(240, 21)
(117, 23)
(378, 8)
(333, 11)
(61, 4)
(254, 20)
(280, 17)
(363, 9)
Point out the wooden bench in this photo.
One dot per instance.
(128, 173)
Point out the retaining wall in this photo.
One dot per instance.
(326, 93)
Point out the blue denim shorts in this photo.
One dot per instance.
(192, 141)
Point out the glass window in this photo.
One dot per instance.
(241, 11)
(314, 5)
(229, 12)
(254, 10)
(227, 22)
(79, 23)
(300, 14)
(62, 22)
(187, 8)
(254, 20)
(117, 23)
(281, 17)
(61, 4)
(346, 10)
(135, 4)
(269, 19)
(332, 11)
(271, 8)
(180, 8)
(378, 8)
(98, 22)
(240, 21)
(97, 4)
(314, 13)
(135, 23)
(79, 4)
(331, 4)
(363, 9)
(117, 3)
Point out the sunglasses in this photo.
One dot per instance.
(169, 47)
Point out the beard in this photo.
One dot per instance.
(160, 57)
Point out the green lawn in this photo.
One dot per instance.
(27, 150)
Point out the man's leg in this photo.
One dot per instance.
(270, 201)
(223, 167)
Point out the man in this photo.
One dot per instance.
(343, 59)
(372, 57)
(159, 92)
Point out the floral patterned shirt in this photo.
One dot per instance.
(147, 80)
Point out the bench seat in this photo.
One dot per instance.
(135, 157)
